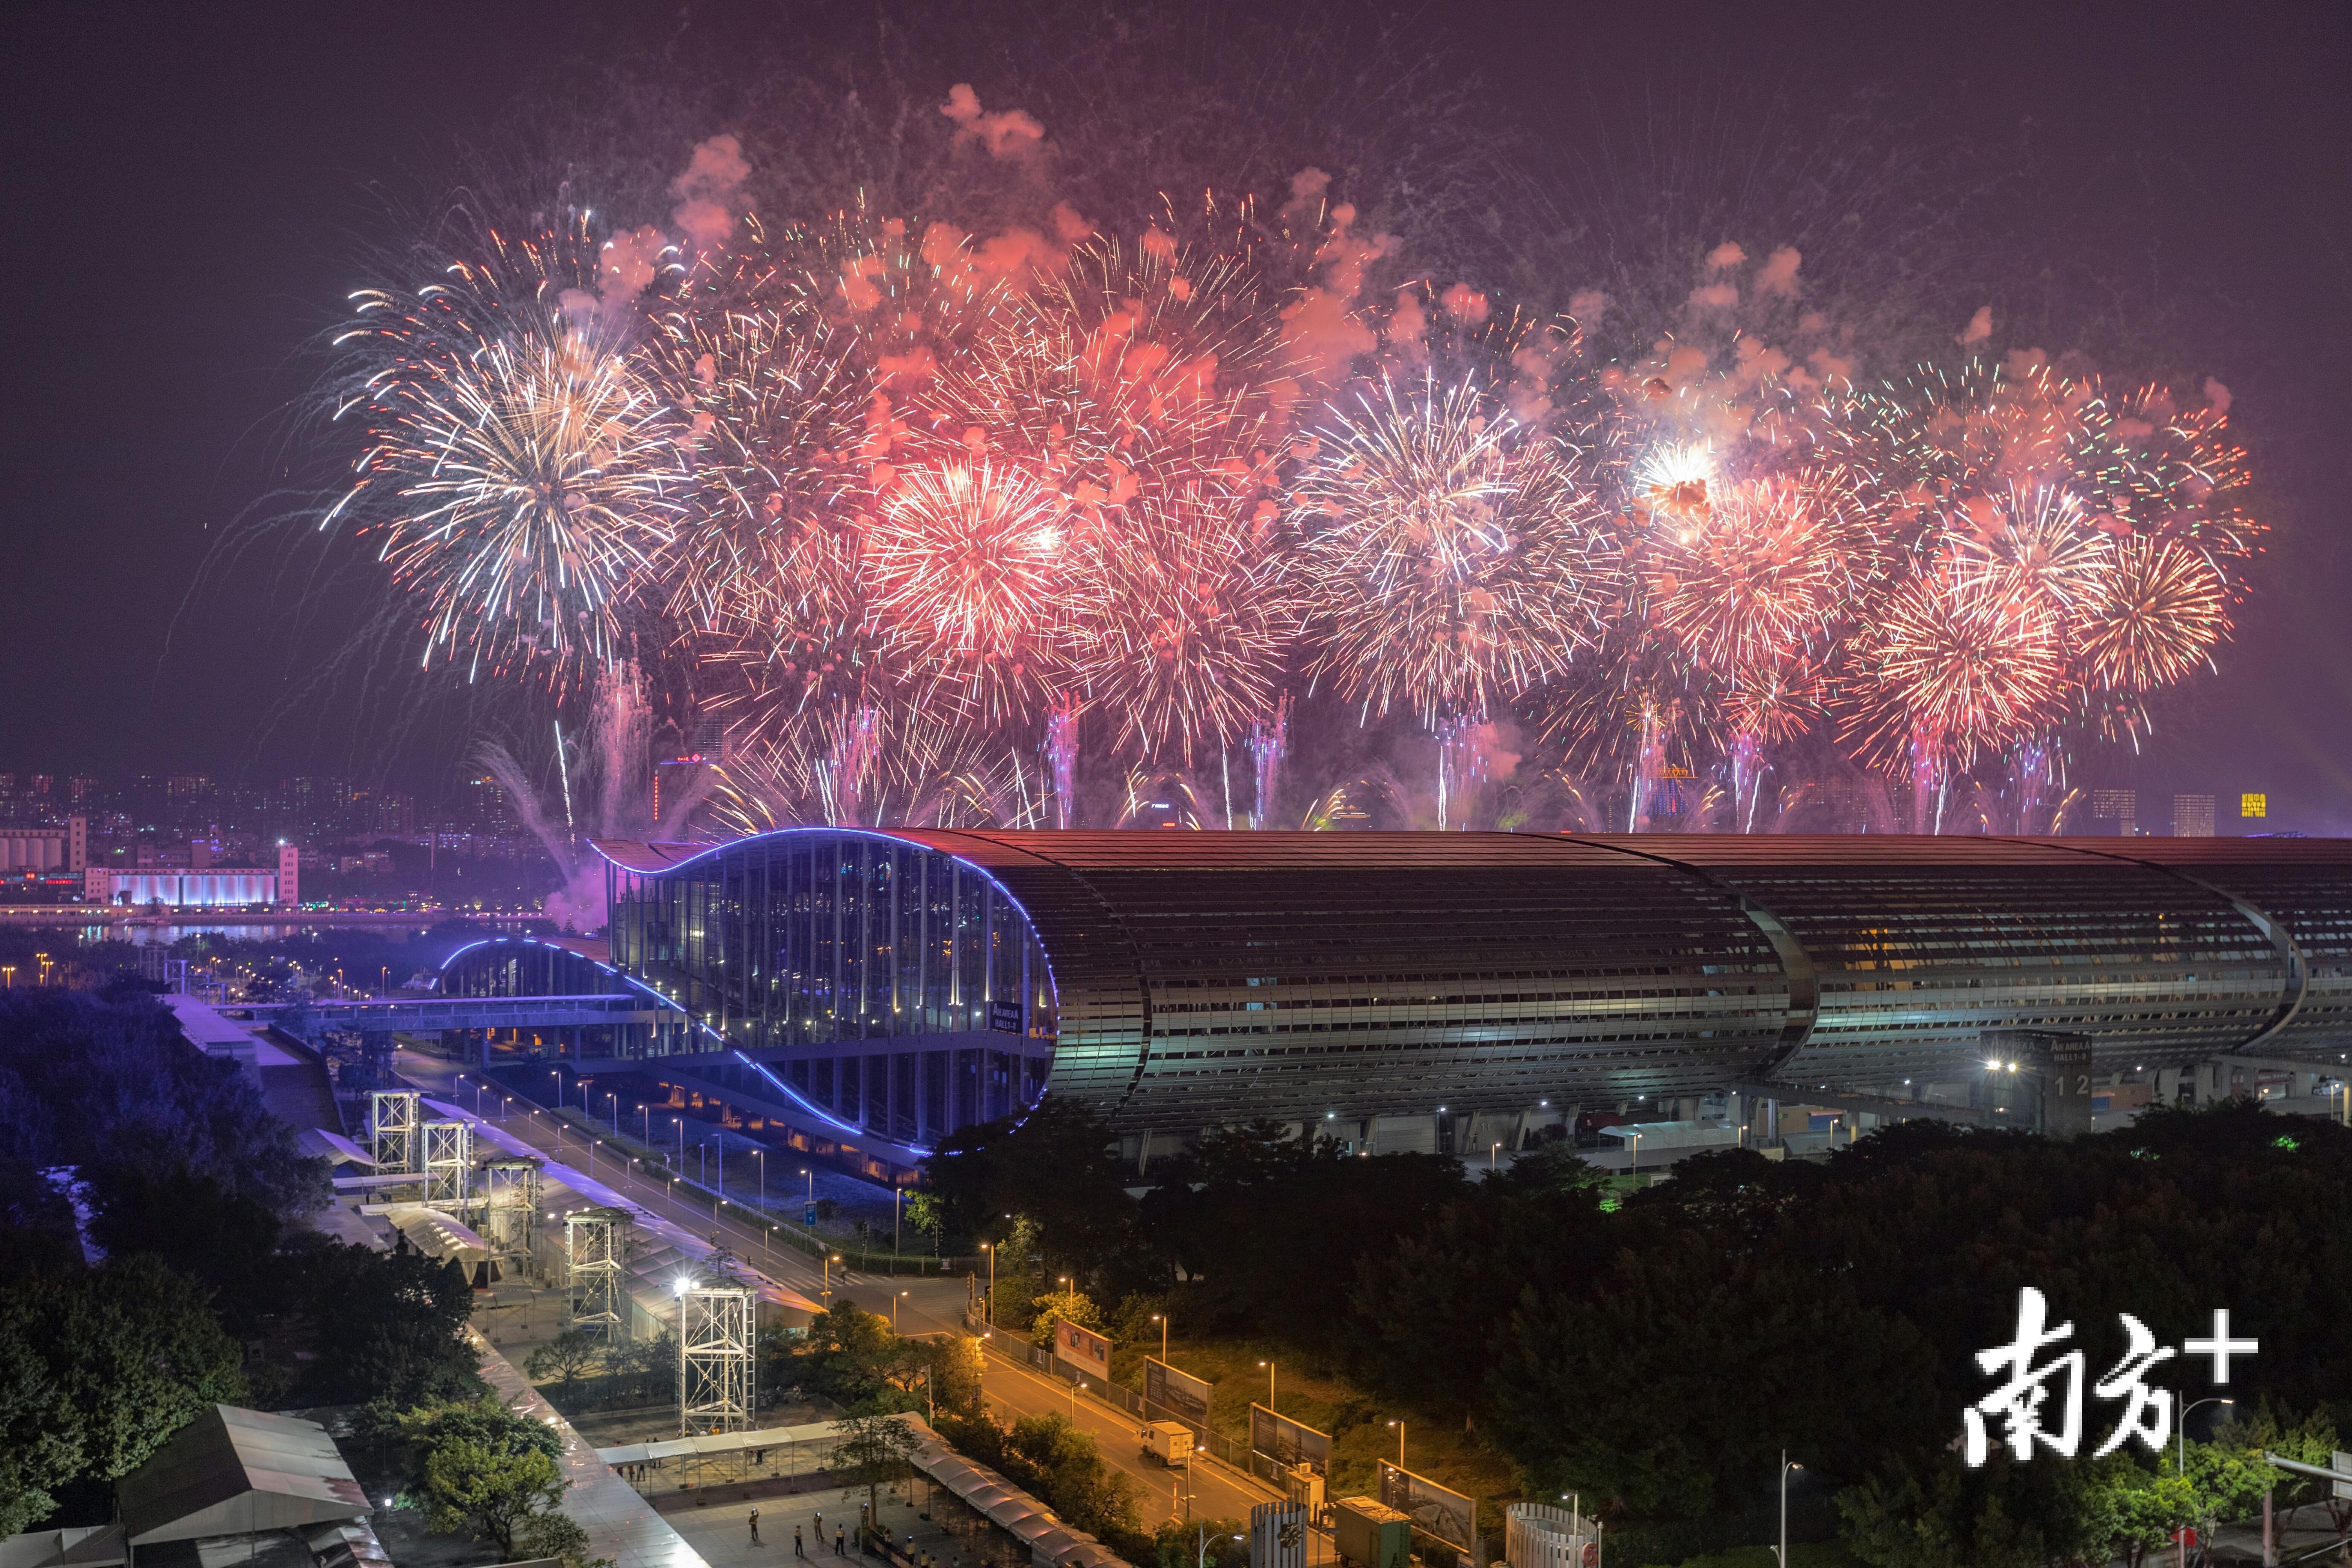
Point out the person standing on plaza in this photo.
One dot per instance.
(755, 1527)
(797, 1552)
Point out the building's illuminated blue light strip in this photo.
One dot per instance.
(792, 1095)
(974, 867)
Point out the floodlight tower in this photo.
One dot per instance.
(448, 1162)
(392, 1129)
(715, 1343)
(595, 1247)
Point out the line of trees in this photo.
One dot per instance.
(152, 1259)
(1657, 1351)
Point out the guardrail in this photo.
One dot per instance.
(862, 1259)
(1231, 1452)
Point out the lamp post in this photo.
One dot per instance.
(1269, 1383)
(831, 1258)
(1493, 1155)
(1161, 1319)
(1635, 1168)
(897, 1201)
(762, 1156)
(1785, 1468)
(506, 1108)
(894, 1311)
(2180, 1462)
(1400, 1427)
(988, 1315)
(612, 1103)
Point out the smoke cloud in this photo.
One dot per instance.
(709, 192)
(1012, 133)
(1979, 328)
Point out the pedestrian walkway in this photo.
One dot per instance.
(621, 1524)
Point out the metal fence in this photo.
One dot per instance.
(1232, 1451)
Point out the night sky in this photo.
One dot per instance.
(193, 190)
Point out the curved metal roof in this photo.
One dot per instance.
(1210, 976)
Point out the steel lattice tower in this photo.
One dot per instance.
(715, 1348)
(595, 1247)
(392, 1129)
(448, 1162)
(510, 1203)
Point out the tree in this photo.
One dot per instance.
(554, 1534)
(1184, 1543)
(1059, 1166)
(128, 1350)
(2128, 1511)
(926, 1215)
(488, 1491)
(1053, 1458)
(389, 1324)
(851, 1357)
(40, 1434)
(476, 1467)
(873, 1452)
(203, 1229)
(567, 1356)
(957, 1367)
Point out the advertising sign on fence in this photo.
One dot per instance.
(1173, 1395)
(1287, 1443)
(1087, 1352)
(1435, 1510)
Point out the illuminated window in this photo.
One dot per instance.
(2253, 805)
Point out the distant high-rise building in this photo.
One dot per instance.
(2120, 806)
(2192, 816)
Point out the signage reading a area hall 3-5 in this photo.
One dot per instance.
(2043, 1403)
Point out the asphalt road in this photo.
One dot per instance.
(927, 1305)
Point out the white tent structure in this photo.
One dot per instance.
(237, 1472)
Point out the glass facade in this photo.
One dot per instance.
(914, 981)
(899, 991)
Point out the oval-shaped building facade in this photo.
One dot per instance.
(911, 981)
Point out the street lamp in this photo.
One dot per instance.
(613, 1102)
(1400, 1427)
(1635, 1168)
(1161, 1319)
(894, 1311)
(2181, 1464)
(1785, 1468)
(506, 1108)
(1269, 1383)
(897, 1197)
(831, 1258)
(761, 1155)
(989, 1315)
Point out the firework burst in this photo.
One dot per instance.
(966, 565)
(1449, 561)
